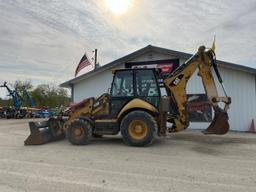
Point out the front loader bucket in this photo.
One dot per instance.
(44, 132)
(219, 125)
(39, 133)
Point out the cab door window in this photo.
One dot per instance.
(122, 91)
(147, 86)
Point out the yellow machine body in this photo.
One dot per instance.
(136, 115)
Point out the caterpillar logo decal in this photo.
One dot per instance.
(176, 81)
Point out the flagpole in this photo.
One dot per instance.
(95, 58)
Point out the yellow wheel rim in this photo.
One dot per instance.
(78, 131)
(138, 129)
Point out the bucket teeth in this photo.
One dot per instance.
(219, 125)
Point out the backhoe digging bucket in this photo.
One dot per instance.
(44, 132)
(219, 125)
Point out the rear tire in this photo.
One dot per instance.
(79, 132)
(138, 128)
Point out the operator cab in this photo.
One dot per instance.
(134, 83)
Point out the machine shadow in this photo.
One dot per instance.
(210, 144)
(211, 139)
(108, 140)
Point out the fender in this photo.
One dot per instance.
(137, 103)
(85, 118)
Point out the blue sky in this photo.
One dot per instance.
(43, 40)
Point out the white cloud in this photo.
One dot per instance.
(43, 40)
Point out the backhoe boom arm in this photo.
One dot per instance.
(176, 82)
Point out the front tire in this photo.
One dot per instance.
(79, 132)
(138, 128)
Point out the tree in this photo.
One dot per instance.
(5, 102)
(43, 95)
(50, 95)
(21, 85)
(23, 88)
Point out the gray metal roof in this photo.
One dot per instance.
(147, 49)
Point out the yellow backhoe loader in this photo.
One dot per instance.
(136, 108)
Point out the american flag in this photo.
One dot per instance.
(82, 64)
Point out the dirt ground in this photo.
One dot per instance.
(187, 161)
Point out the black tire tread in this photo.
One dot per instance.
(88, 132)
(149, 120)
